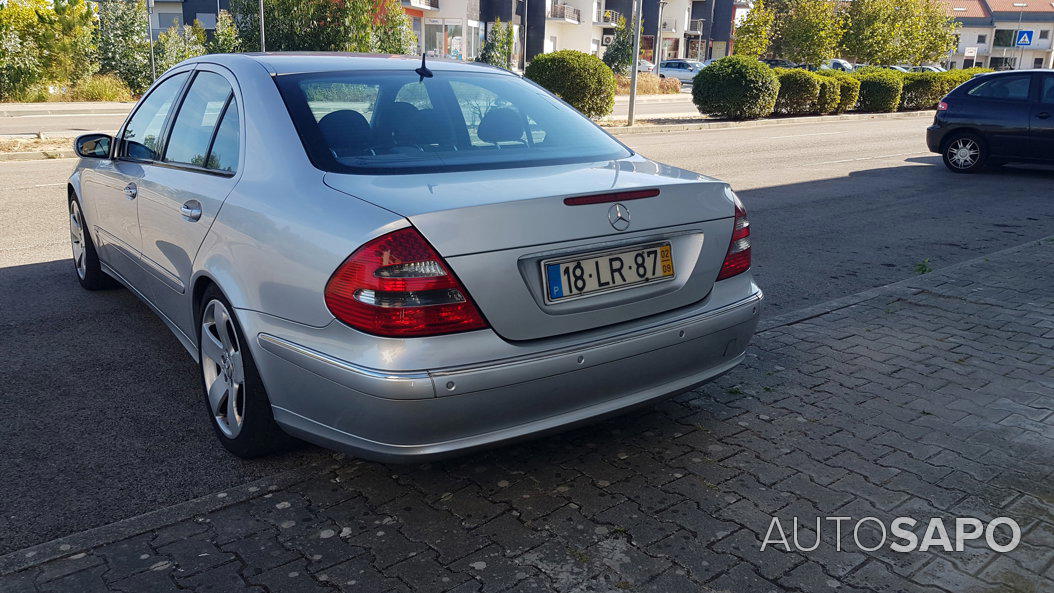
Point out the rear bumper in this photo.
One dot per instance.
(375, 414)
(934, 137)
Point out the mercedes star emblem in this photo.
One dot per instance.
(618, 216)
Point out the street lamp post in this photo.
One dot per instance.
(1021, 6)
(658, 35)
(263, 42)
(150, 36)
(637, 7)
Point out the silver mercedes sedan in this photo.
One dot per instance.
(405, 261)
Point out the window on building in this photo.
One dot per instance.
(1037, 63)
(1005, 37)
(1045, 34)
(1003, 63)
(982, 39)
(207, 19)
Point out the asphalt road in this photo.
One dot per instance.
(102, 418)
(62, 124)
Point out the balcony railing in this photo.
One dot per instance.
(696, 26)
(608, 18)
(565, 12)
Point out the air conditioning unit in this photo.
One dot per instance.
(607, 40)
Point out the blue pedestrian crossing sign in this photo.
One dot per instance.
(1024, 38)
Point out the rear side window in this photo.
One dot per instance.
(197, 119)
(141, 138)
(1003, 87)
(224, 153)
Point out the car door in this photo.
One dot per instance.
(1041, 133)
(182, 192)
(111, 187)
(1000, 106)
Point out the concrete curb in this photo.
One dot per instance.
(87, 110)
(76, 543)
(106, 534)
(38, 155)
(759, 123)
(667, 98)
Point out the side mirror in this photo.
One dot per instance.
(93, 146)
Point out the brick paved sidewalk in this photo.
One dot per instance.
(929, 398)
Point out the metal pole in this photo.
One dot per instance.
(638, 6)
(1021, 49)
(263, 42)
(150, 37)
(710, 29)
(524, 40)
(658, 38)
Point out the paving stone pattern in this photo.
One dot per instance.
(933, 398)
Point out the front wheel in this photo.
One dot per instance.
(965, 153)
(85, 258)
(238, 407)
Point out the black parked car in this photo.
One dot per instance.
(996, 118)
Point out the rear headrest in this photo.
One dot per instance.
(346, 131)
(501, 125)
(424, 128)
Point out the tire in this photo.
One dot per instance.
(965, 152)
(662, 76)
(85, 257)
(235, 399)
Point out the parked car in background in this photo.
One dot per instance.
(645, 66)
(406, 261)
(838, 64)
(779, 63)
(897, 68)
(994, 119)
(683, 70)
(928, 69)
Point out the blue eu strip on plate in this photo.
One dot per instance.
(556, 289)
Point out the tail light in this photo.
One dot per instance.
(942, 106)
(737, 259)
(397, 285)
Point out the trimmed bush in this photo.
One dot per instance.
(880, 91)
(799, 90)
(736, 87)
(923, 90)
(830, 95)
(848, 89)
(578, 78)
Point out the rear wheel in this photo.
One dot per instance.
(85, 258)
(965, 153)
(238, 407)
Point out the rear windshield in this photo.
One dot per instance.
(390, 122)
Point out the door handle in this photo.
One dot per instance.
(191, 210)
(131, 191)
(1043, 115)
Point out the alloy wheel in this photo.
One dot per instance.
(223, 368)
(77, 239)
(963, 153)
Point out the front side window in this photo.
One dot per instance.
(454, 120)
(197, 118)
(141, 138)
(1003, 87)
(1046, 95)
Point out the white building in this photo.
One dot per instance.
(991, 28)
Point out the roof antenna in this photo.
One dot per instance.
(423, 70)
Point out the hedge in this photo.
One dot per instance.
(848, 89)
(880, 91)
(830, 95)
(736, 87)
(579, 78)
(923, 90)
(799, 90)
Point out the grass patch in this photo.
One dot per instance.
(30, 144)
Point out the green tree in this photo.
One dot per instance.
(123, 48)
(928, 33)
(225, 39)
(308, 25)
(754, 35)
(810, 31)
(392, 32)
(20, 68)
(619, 55)
(46, 42)
(872, 33)
(69, 26)
(179, 43)
(497, 48)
